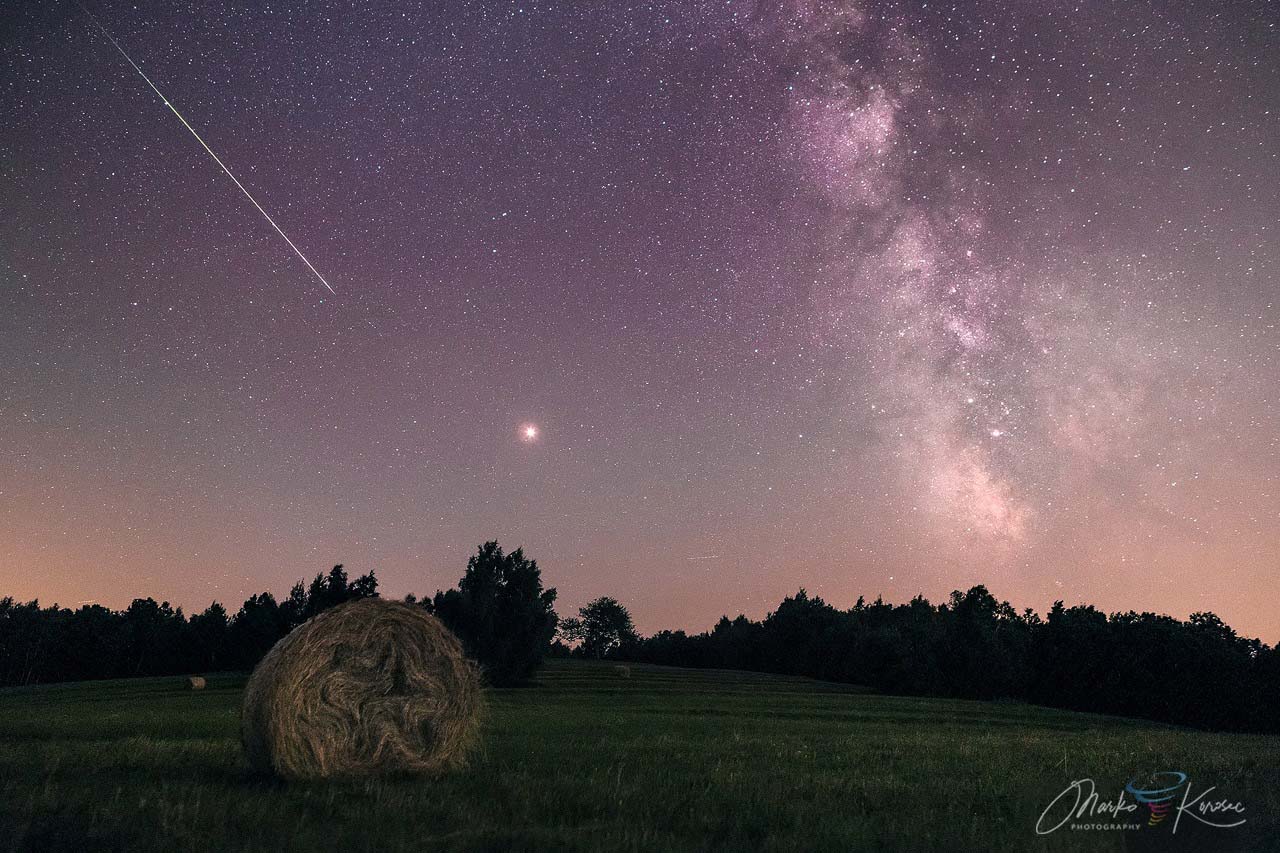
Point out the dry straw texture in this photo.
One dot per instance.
(371, 686)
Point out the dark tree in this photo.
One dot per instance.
(293, 610)
(602, 628)
(326, 591)
(209, 636)
(153, 638)
(256, 628)
(365, 586)
(91, 645)
(501, 613)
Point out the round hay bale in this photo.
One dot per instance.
(196, 682)
(370, 686)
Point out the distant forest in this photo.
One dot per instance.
(1197, 672)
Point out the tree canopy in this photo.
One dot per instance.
(501, 613)
(601, 628)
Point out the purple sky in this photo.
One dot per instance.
(871, 298)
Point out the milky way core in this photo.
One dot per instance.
(871, 298)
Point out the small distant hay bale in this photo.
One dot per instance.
(624, 671)
(371, 686)
(196, 682)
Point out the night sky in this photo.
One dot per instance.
(699, 302)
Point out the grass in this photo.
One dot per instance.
(666, 760)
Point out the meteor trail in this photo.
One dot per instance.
(206, 147)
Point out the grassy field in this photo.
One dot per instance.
(664, 760)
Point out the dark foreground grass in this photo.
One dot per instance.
(665, 760)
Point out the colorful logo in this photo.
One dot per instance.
(1156, 795)
(1166, 794)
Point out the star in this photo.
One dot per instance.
(922, 303)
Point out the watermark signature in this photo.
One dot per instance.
(1168, 795)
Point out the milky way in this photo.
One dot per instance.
(871, 298)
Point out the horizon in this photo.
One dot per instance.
(567, 606)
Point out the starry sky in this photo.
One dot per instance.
(700, 302)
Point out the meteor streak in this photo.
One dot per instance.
(206, 147)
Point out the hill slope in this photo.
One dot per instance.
(665, 759)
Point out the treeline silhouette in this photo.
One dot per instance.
(500, 611)
(39, 645)
(1197, 672)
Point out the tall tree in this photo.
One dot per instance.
(256, 629)
(501, 613)
(293, 610)
(209, 636)
(153, 635)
